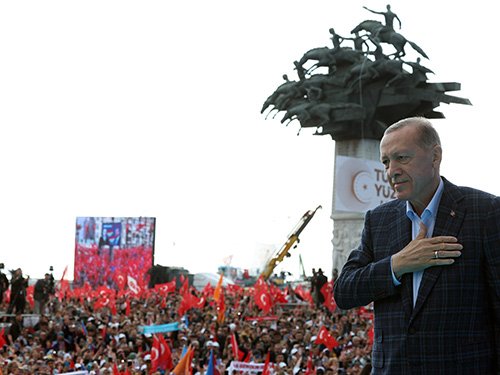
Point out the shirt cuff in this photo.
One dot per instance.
(394, 278)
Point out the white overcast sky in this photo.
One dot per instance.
(152, 108)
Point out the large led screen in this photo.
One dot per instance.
(111, 250)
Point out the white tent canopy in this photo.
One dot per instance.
(200, 280)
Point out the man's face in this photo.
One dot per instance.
(413, 171)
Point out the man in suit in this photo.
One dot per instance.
(430, 262)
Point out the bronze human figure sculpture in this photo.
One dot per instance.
(389, 17)
(355, 90)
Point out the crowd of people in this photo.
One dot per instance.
(73, 334)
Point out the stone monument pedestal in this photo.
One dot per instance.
(347, 226)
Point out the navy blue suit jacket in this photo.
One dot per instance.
(454, 327)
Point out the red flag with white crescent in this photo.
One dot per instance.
(127, 307)
(266, 370)
(120, 281)
(208, 290)
(133, 285)
(262, 295)
(324, 337)
(234, 346)
(2, 338)
(310, 370)
(370, 335)
(327, 292)
(155, 353)
(165, 288)
(30, 291)
(166, 362)
(185, 285)
(305, 295)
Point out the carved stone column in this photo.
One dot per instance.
(347, 226)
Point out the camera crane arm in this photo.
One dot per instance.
(292, 239)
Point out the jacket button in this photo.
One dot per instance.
(412, 331)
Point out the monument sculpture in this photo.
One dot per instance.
(352, 91)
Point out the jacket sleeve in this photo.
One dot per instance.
(492, 261)
(362, 279)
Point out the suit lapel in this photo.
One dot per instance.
(403, 230)
(448, 223)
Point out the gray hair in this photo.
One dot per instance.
(428, 136)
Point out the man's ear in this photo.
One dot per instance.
(437, 154)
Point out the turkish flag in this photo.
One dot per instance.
(263, 300)
(277, 294)
(310, 370)
(324, 337)
(127, 308)
(2, 338)
(165, 288)
(234, 346)
(327, 292)
(185, 285)
(7, 296)
(30, 291)
(133, 285)
(190, 301)
(161, 356)
(155, 353)
(365, 314)
(120, 280)
(102, 301)
(266, 370)
(208, 290)
(262, 295)
(260, 283)
(370, 335)
(234, 289)
(238, 355)
(200, 303)
(166, 362)
(104, 291)
(303, 294)
(185, 304)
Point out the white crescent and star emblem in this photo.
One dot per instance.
(321, 334)
(154, 354)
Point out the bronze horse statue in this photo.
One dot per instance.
(330, 57)
(387, 35)
(321, 113)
